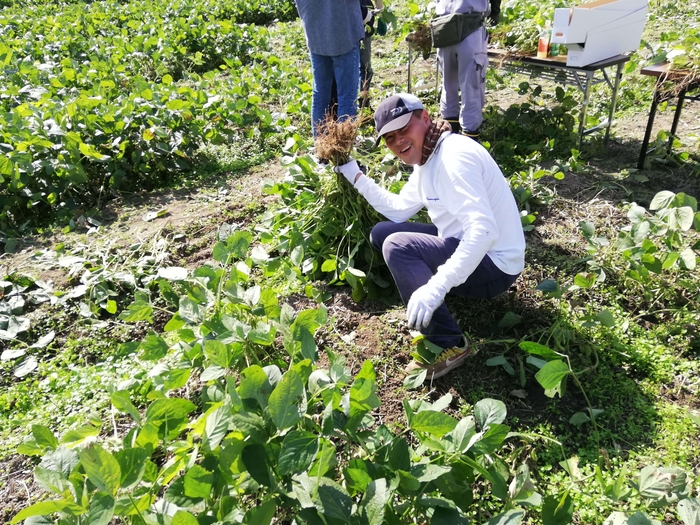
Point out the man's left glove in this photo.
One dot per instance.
(422, 304)
(349, 171)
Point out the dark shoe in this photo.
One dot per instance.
(448, 360)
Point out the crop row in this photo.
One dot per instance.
(96, 95)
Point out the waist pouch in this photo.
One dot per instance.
(448, 30)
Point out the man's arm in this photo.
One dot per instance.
(396, 208)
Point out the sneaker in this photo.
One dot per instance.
(444, 363)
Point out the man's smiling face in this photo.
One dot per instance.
(407, 143)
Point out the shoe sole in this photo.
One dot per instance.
(446, 371)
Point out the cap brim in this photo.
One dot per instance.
(395, 124)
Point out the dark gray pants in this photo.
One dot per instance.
(413, 252)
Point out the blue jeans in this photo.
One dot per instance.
(413, 252)
(345, 69)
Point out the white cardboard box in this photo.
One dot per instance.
(598, 30)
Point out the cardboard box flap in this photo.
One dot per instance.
(572, 25)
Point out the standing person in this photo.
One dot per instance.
(474, 246)
(333, 32)
(463, 67)
(366, 72)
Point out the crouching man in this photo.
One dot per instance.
(474, 246)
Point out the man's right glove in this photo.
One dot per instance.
(350, 171)
(423, 303)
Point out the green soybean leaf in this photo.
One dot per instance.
(443, 516)
(122, 402)
(78, 435)
(689, 511)
(44, 437)
(488, 411)
(255, 460)
(492, 439)
(558, 510)
(298, 451)
(139, 310)
(356, 480)
(425, 472)
(261, 514)
(255, 385)
(52, 481)
(286, 400)
(579, 418)
(606, 318)
(168, 409)
(132, 465)
(175, 493)
(687, 259)
(552, 373)
(218, 353)
(510, 517)
(190, 311)
(374, 501)
(61, 460)
(198, 482)
(153, 348)
(252, 425)
(533, 348)
(101, 509)
(638, 518)
(45, 508)
(434, 423)
(216, 427)
(183, 517)
(363, 396)
(101, 468)
(333, 501)
(399, 454)
(415, 378)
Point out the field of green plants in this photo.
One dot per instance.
(194, 329)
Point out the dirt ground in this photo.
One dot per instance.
(370, 329)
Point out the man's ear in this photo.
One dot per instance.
(426, 117)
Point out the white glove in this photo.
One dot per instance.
(423, 303)
(349, 171)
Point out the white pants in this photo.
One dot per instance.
(463, 69)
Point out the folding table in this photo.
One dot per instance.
(555, 69)
(670, 84)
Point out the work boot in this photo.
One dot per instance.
(454, 123)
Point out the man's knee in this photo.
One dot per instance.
(394, 244)
(379, 234)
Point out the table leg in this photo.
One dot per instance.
(650, 126)
(613, 102)
(676, 118)
(410, 59)
(584, 107)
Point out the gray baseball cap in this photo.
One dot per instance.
(394, 113)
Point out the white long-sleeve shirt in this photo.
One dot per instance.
(466, 197)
